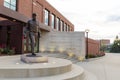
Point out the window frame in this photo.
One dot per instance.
(53, 20)
(58, 24)
(48, 12)
(10, 5)
(61, 25)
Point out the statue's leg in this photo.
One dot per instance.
(36, 38)
(32, 40)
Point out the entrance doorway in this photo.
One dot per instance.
(11, 35)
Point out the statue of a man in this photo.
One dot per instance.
(34, 32)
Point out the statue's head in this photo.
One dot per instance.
(34, 16)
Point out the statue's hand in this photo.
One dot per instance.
(39, 34)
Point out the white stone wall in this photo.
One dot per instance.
(69, 42)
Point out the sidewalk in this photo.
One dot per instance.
(105, 68)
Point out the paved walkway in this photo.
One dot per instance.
(105, 68)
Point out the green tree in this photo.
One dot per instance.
(116, 46)
(103, 48)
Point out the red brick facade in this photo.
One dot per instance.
(26, 8)
(38, 7)
(93, 46)
(104, 42)
(1, 2)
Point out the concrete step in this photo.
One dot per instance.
(60, 55)
(77, 73)
(14, 68)
(13, 62)
(73, 59)
(57, 55)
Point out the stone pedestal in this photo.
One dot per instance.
(33, 59)
(12, 68)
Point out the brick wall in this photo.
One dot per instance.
(93, 46)
(25, 7)
(104, 42)
(1, 2)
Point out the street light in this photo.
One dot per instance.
(87, 31)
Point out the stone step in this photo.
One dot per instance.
(53, 54)
(14, 68)
(73, 60)
(60, 55)
(57, 55)
(77, 73)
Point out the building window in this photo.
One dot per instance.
(58, 24)
(68, 28)
(53, 21)
(46, 17)
(65, 27)
(61, 25)
(12, 4)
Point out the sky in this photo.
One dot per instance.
(101, 17)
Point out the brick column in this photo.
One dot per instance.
(55, 22)
(50, 20)
(2, 2)
(43, 13)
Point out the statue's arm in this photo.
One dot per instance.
(28, 26)
(39, 30)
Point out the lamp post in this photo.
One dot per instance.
(87, 31)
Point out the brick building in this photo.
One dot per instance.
(93, 47)
(104, 41)
(14, 15)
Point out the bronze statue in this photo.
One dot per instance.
(34, 32)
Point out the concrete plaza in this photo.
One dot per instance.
(104, 68)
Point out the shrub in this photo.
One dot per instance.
(8, 51)
(91, 56)
(1, 50)
(11, 52)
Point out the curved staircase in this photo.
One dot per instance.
(11, 68)
(56, 69)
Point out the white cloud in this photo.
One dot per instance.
(102, 17)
